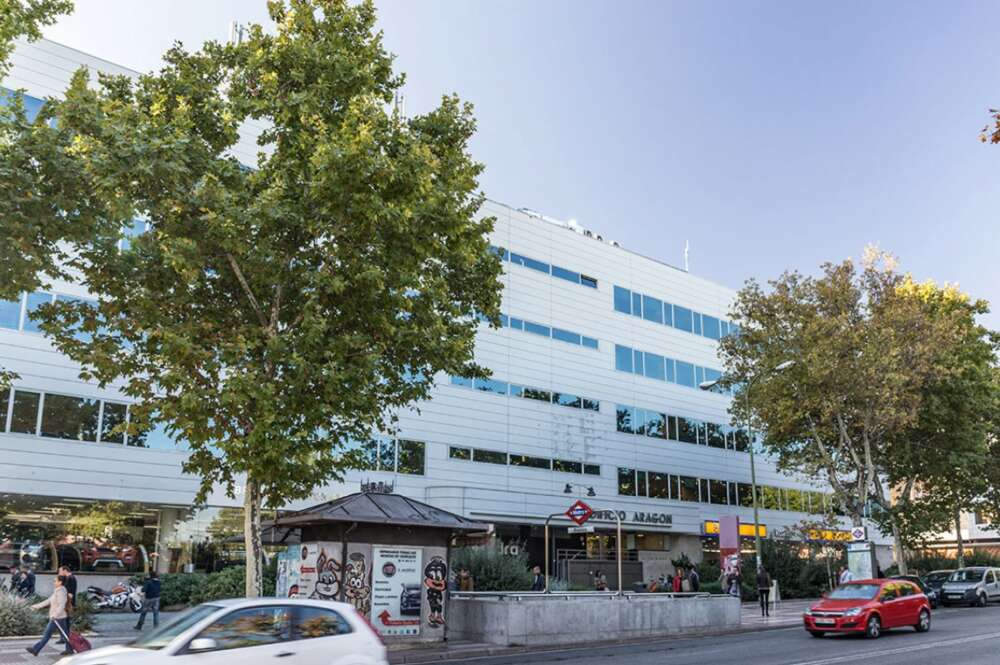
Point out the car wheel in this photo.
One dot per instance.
(981, 601)
(924, 622)
(874, 628)
(817, 633)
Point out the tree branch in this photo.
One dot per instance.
(261, 318)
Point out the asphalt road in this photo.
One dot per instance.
(969, 636)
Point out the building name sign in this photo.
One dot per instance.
(660, 519)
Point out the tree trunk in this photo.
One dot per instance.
(251, 538)
(900, 549)
(960, 552)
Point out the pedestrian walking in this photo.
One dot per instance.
(600, 581)
(58, 604)
(694, 579)
(764, 590)
(70, 585)
(538, 581)
(150, 600)
(465, 581)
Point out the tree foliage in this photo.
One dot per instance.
(272, 312)
(25, 18)
(879, 363)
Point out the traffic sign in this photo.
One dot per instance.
(579, 512)
(859, 533)
(580, 529)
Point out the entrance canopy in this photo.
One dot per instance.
(378, 508)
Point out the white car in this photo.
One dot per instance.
(247, 632)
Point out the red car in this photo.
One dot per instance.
(869, 607)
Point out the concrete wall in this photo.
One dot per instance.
(568, 619)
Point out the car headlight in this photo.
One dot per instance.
(853, 612)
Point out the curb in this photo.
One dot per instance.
(415, 657)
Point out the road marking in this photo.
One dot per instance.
(891, 652)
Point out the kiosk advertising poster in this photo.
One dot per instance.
(319, 572)
(397, 590)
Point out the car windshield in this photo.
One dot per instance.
(966, 576)
(938, 577)
(854, 592)
(161, 637)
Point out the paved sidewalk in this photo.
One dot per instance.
(786, 613)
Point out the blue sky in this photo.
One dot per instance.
(770, 135)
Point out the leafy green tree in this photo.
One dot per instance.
(867, 355)
(26, 250)
(272, 313)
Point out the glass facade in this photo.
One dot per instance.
(518, 459)
(498, 387)
(659, 311)
(660, 368)
(541, 266)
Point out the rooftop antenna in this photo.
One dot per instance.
(687, 250)
(400, 103)
(235, 32)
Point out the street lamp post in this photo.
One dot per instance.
(708, 385)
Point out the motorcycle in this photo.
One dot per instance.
(120, 596)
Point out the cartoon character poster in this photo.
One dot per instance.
(357, 583)
(436, 582)
(319, 572)
(395, 593)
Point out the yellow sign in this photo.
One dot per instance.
(829, 535)
(711, 528)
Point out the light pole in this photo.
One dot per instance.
(708, 385)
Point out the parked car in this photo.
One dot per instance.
(976, 585)
(252, 632)
(932, 594)
(936, 579)
(869, 607)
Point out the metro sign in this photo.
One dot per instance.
(579, 512)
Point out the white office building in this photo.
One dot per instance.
(594, 396)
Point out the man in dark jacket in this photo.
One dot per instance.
(764, 590)
(151, 602)
(26, 587)
(70, 585)
(538, 580)
(694, 579)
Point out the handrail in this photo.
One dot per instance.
(566, 595)
(618, 547)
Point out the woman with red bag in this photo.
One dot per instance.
(58, 604)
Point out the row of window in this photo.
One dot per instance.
(32, 105)
(74, 418)
(681, 318)
(646, 422)
(660, 485)
(393, 455)
(548, 269)
(17, 314)
(513, 390)
(514, 459)
(655, 366)
(546, 331)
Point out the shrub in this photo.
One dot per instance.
(492, 569)
(227, 583)
(17, 618)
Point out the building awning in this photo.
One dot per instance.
(377, 508)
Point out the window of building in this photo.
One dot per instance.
(537, 329)
(462, 381)
(531, 462)
(534, 393)
(637, 305)
(668, 314)
(623, 358)
(566, 466)
(587, 280)
(718, 492)
(659, 485)
(672, 427)
(745, 494)
(685, 373)
(568, 275)
(716, 436)
(637, 357)
(654, 367)
(565, 399)
(10, 314)
(66, 417)
(35, 300)
(794, 501)
(770, 498)
(591, 404)
(592, 469)
(741, 441)
(652, 309)
(24, 417)
(656, 424)
(489, 456)
(710, 327)
(641, 488)
(566, 336)
(682, 318)
(491, 386)
(460, 453)
(112, 416)
(529, 263)
(386, 455)
(410, 457)
(703, 489)
(590, 342)
(626, 482)
(623, 300)
(696, 319)
(625, 419)
(688, 488)
(687, 430)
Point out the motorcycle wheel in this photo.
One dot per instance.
(134, 605)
